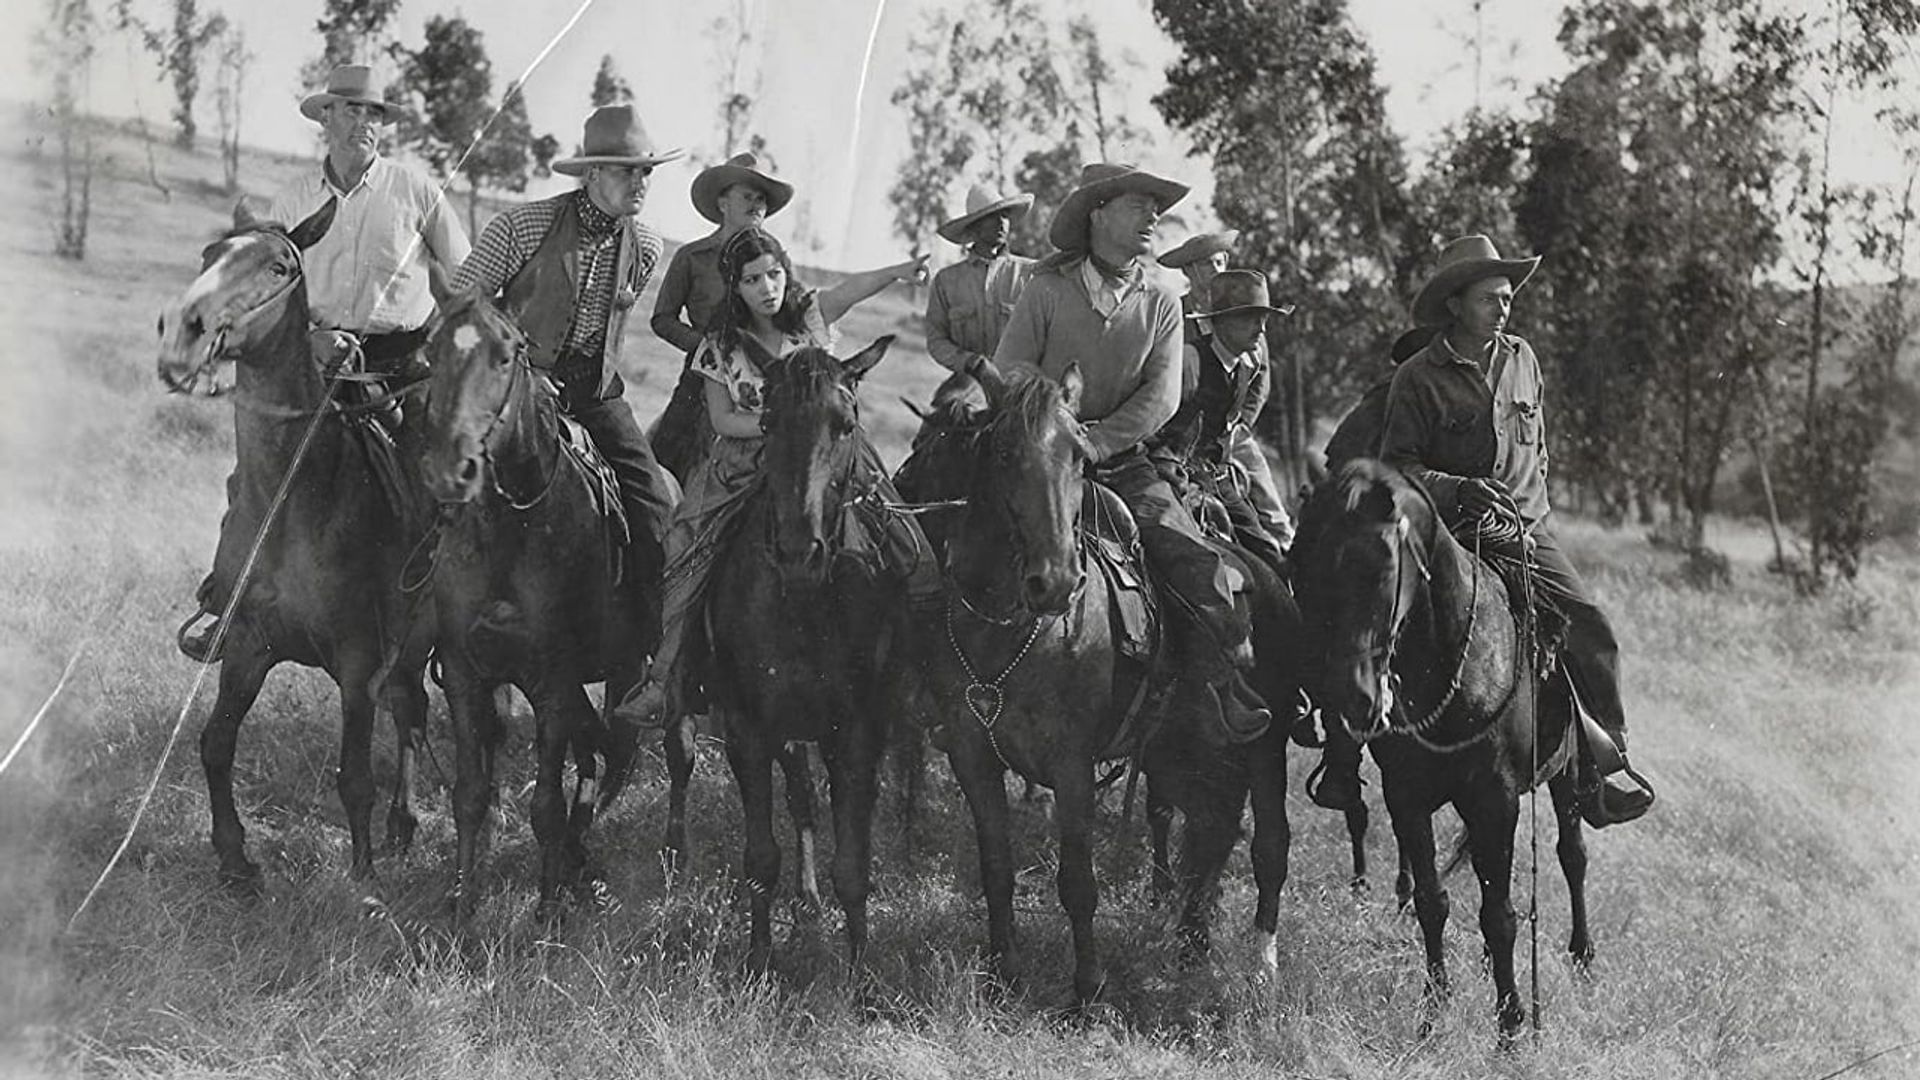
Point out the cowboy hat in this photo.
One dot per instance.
(614, 136)
(348, 82)
(1100, 182)
(714, 180)
(1198, 247)
(1235, 291)
(982, 202)
(1462, 262)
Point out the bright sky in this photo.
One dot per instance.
(809, 61)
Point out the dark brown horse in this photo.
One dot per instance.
(324, 590)
(525, 582)
(802, 627)
(1426, 663)
(1029, 678)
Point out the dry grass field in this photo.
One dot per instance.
(1762, 923)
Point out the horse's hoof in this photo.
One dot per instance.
(1268, 953)
(1582, 961)
(241, 878)
(400, 829)
(1360, 887)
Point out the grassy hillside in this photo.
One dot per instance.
(1760, 924)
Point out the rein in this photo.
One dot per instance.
(522, 372)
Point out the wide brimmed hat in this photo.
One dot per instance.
(1100, 182)
(614, 136)
(348, 82)
(1462, 262)
(714, 180)
(982, 202)
(1199, 247)
(1235, 291)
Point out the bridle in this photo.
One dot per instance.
(1017, 613)
(216, 349)
(521, 372)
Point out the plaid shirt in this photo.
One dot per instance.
(512, 237)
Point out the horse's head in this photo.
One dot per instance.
(812, 419)
(247, 280)
(1362, 554)
(1030, 474)
(478, 359)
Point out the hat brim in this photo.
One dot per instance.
(955, 231)
(1068, 232)
(314, 107)
(1197, 248)
(578, 166)
(1430, 304)
(714, 181)
(1262, 308)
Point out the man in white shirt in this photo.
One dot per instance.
(376, 273)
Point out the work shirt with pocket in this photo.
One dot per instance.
(1447, 422)
(969, 305)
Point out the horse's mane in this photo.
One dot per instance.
(1365, 489)
(1030, 402)
(803, 374)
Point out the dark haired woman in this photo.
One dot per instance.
(762, 302)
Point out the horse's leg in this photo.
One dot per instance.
(1213, 827)
(1413, 829)
(806, 873)
(752, 762)
(1272, 841)
(677, 742)
(1402, 880)
(910, 757)
(558, 707)
(1491, 817)
(407, 700)
(1357, 840)
(1572, 849)
(241, 672)
(355, 778)
(852, 777)
(983, 782)
(475, 728)
(1079, 892)
(1159, 837)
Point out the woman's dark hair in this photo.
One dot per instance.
(731, 318)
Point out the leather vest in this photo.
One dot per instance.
(543, 297)
(1199, 426)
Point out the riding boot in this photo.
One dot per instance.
(1603, 800)
(1335, 784)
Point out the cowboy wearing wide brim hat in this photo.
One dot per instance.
(1234, 292)
(348, 82)
(1464, 417)
(1463, 262)
(1099, 184)
(614, 135)
(714, 180)
(983, 202)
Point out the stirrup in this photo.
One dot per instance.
(199, 647)
(1316, 788)
(1602, 805)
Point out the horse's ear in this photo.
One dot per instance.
(923, 412)
(992, 383)
(243, 216)
(855, 367)
(1071, 383)
(308, 233)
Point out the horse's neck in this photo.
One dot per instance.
(280, 392)
(529, 440)
(1455, 587)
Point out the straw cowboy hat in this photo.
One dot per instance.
(1100, 182)
(614, 136)
(1199, 247)
(1235, 291)
(1464, 261)
(982, 202)
(348, 82)
(714, 180)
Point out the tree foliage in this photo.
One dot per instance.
(351, 32)
(64, 50)
(179, 44)
(609, 86)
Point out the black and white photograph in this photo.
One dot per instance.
(950, 539)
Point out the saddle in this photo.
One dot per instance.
(1112, 542)
(602, 485)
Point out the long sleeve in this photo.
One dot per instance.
(440, 227)
(1156, 398)
(675, 289)
(940, 344)
(1024, 341)
(1412, 422)
(494, 260)
(1257, 392)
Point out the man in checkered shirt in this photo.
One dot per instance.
(566, 271)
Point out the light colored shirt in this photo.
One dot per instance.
(969, 305)
(1129, 359)
(1106, 296)
(741, 378)
(369, 274)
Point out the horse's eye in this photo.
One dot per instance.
(281, 269)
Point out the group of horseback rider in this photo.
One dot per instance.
(1170, 385)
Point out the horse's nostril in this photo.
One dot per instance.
(195, 327)
(1035, 585)
(469, 471)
